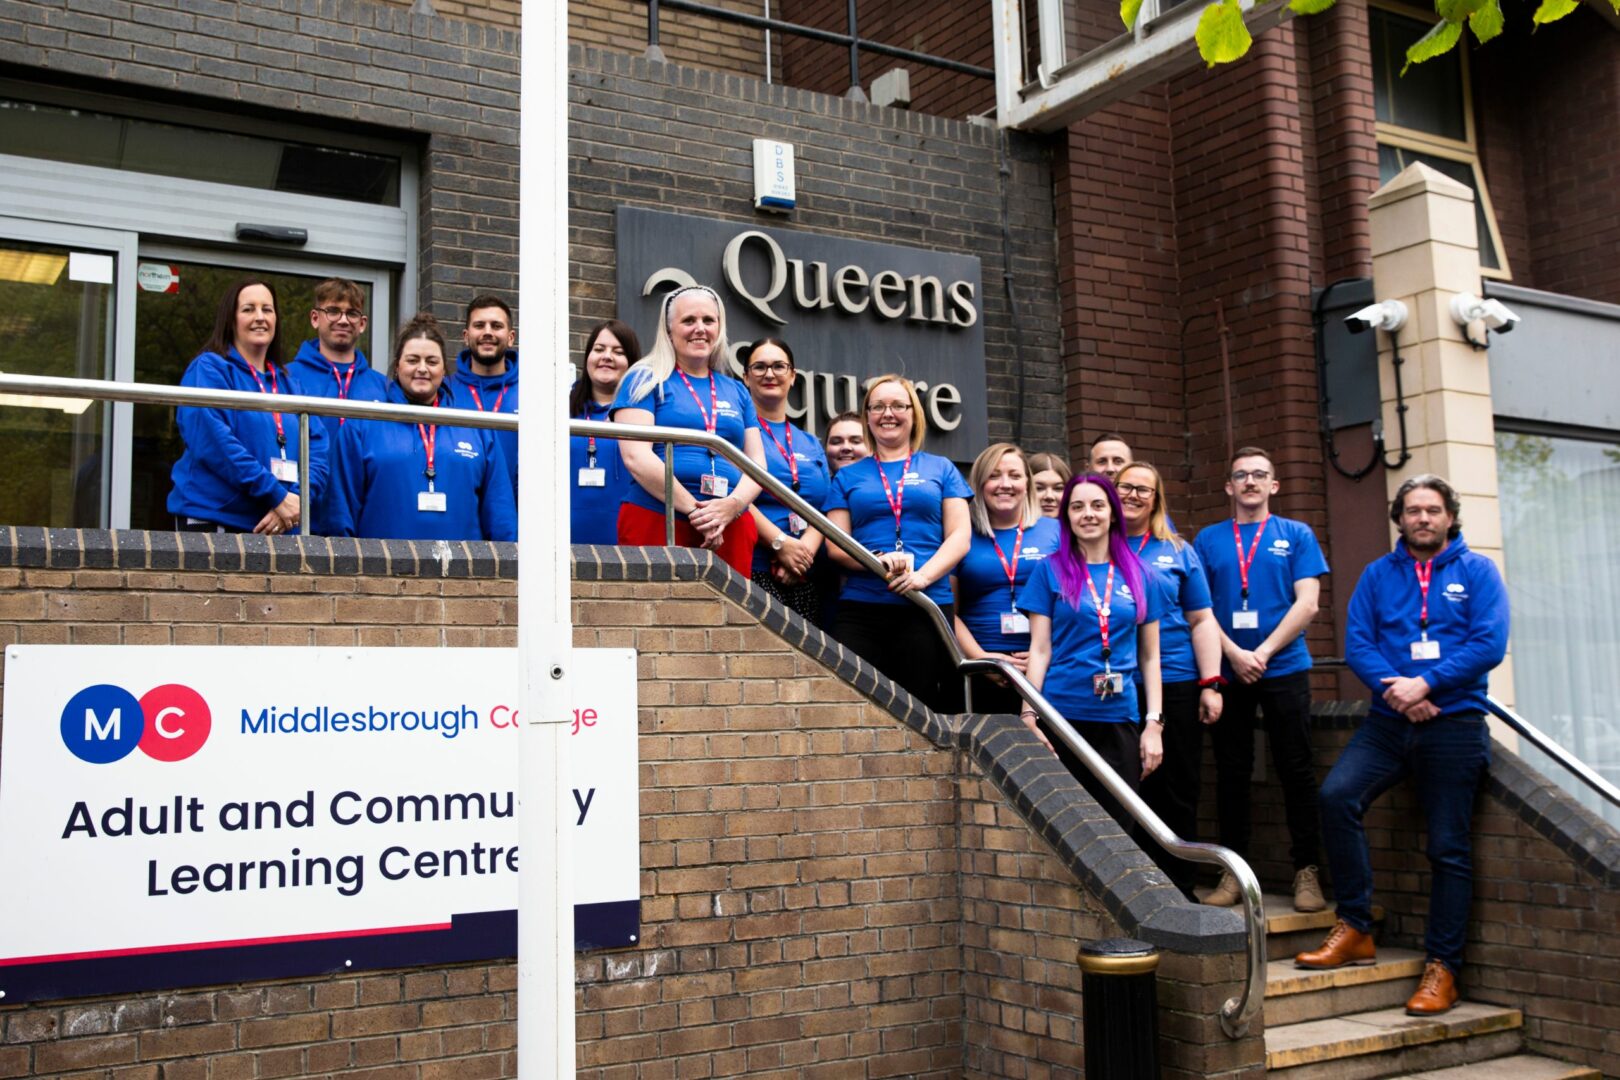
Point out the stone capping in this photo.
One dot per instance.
(1102, 858)
(1592, 843)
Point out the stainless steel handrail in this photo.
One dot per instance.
(1236, 1013)
(1547, 746)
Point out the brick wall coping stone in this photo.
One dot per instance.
(1102, 858)
(1591, 842)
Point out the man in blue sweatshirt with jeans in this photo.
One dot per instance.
(1427, 624)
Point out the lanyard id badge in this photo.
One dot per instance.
(796, 524)
(284, 470)
(1013, 621)
(713, 484)
(1107, 682)
(1424, 648)
(430, 501)
(590, 476)
(1243, 618)
(710, 483)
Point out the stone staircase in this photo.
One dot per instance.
(1351, 1024)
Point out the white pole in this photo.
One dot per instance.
(545, 636)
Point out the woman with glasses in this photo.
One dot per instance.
(1010, 537)
(1094, 637)
(1189, 655)
(680, 384)
(1047, 475)
(598, 480)
(240, 471)
(787, 547)
(422, 481)
(910, 509)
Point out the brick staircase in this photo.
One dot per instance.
(1351, 1024)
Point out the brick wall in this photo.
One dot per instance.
(830, 887)
(687, 39)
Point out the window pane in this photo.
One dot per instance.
(51, 324)
(1392, 159)
(88, 138)
(1429, 97)
(1564, 585)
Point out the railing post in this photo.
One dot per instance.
(669, 494)
(653, 51)
(306, 482)
(1119, 987)
(855, 92)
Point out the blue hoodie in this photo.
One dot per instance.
(492, 393)
(380, 471)
(224, 475)
(321, 378)
(1468, 616)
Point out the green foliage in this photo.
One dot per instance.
(1128, 11)
(1222, 36)
(1553, 10)
(1442, 39)
(1309, 7)
(1486, 23)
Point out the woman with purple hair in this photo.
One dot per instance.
(1094, 634)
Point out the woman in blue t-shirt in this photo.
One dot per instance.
(680, 384)
(788, 544)
(910, 509)
(1010, 537)
(598, 480)
(1094, 633)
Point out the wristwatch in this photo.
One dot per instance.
(1155, 718)
(781, 538)
(1213, 682)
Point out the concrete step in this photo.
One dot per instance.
(1294, 996)
(1290, 932)
(1387, 1042)
(1517, 1067)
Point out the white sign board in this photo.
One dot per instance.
(171, 816)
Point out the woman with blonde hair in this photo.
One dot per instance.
(681, 384)
(1047, 475)
(1010, 537)
(910, 509)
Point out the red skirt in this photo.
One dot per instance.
(640, 527)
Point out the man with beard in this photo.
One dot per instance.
(1427, 624)
(486, 375)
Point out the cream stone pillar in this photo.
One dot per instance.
(1425, 251)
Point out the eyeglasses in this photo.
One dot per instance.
(1139, 490)
(777, 368)
(896, 407)
(1259, 476)
(337, 314)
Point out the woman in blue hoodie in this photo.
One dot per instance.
(599, 479)
(421, 481)
(240, 470)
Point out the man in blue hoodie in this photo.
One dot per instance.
(1427, 624)
(486, 375)
(331, 364)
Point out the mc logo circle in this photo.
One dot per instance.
(104, 723)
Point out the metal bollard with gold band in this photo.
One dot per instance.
(1119, 989)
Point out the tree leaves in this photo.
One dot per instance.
(1438, 41)
(1486, 23)
(1221, 35)
(1316, 7)
(1129, 9)
(1553, 10)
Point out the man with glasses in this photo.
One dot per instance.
(331, 365)
(486, 375)
(1263, 576)
(1427, 624)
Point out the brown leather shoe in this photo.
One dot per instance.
(1436, 994)
(1344, 945)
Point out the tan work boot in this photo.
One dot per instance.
(1344, 945)
(1308, 891)
(1226, 893)
(1436, 994)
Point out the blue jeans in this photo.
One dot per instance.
(1447, 758)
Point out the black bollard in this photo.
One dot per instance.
(1120, 1002)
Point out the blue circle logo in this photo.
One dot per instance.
(102, 724)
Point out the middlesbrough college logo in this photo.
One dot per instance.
(104, 723)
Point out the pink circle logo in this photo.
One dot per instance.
(177, 722)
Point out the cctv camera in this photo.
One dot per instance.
(1467, 308)
(1388, 315)
(1499, 317)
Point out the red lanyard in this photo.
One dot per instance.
(478, 401)
(1425, 572)
(1244, 564)
(710, 419)
(430, 435)
(787, 453)
(281, 436)
(343, 385)
(1010, 567)
(1103, 610)
(895, 501)
(1141, 547)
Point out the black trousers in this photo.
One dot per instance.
(1119, 744)
(993, 697)
(900, 641)
(1172, 789)
(1285, 704)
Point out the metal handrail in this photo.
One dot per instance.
(1235, 1014)
(1547, 746)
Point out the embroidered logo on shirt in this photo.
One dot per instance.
(465, 449)
(1456, 592)
(1166, 560)
(1280, 546)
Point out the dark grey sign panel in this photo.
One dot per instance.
(850, 309)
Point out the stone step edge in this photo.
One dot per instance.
(1281, 918)
(1484, 1020)
(1283, 978)
(1523, 1066)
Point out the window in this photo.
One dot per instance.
(1427, 115)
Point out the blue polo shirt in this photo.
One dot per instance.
(1077, 643)
(595, 510)
(1288, 552)
(673, 405)
(858, 489)
(1178, 578)
(983, 594)
(814, 477)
